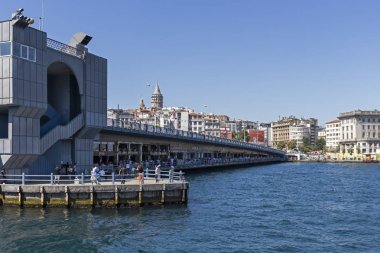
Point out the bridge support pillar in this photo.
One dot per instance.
(140, 152)
(117, 152)
(129, 151)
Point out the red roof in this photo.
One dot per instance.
(333, 121)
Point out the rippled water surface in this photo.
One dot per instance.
(286, 207)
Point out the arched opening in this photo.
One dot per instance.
(63, 97)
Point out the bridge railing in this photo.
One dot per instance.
(157, 130)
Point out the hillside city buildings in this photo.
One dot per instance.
(186, 119)
(353, 135)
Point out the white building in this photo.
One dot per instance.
(212, 126)
(267, 130)
(360, 133)
(297, 133)
(321, 133)
(196, 123)
(333, 135)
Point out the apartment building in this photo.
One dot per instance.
(333, 135)
(360, 133)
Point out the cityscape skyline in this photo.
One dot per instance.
(264, 60)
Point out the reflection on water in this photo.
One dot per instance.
(276, 208)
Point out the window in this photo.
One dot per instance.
(5, 48)
(32, 54)
(24, 52)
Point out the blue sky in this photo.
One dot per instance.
(248, 59)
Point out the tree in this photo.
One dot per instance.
(281, 145)
(292, 144)
(306, 141)
(320, 144)
(306, 149)
(243, 135)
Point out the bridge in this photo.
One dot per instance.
(141, 142)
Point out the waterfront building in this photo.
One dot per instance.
(321, 133)
(298, 133)
(360, 134)
(54, 99)
(332, 132)
(292, 128)
(281, 130)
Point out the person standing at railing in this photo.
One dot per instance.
(3, 176)
(74, 172)
(171, 174)
(128, 165)
(140, 171)
(121, 174)
(157, 173)
(95, 174)
(57, 173)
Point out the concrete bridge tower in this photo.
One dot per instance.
(53, 99)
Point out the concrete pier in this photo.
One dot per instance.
(106, 195)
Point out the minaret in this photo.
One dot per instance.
(157, 101)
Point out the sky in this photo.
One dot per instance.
(249, 59)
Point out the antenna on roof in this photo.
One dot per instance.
(42, 15)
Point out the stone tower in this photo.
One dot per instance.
(157, 101)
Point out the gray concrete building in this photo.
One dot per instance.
(53, 99)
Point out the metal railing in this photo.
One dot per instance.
(145, 129)
(59, 46)
(82, 179)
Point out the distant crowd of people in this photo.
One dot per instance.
(67, 168)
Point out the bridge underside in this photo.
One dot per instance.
(114, 147)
